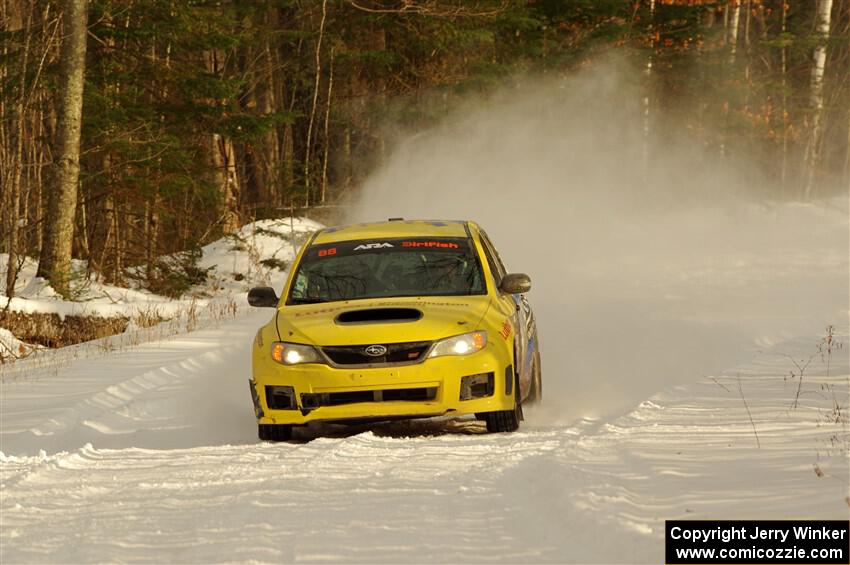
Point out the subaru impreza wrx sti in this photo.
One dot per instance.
(396, 319)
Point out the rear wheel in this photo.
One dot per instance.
(535, 395)
(274, 432)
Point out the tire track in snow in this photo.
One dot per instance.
(425, 491)
(186, 390)
(363, 498)
(122, 394)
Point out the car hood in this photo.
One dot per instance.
(441, 316)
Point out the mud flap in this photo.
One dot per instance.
(512, 377)
(258, 410)
(518, 399)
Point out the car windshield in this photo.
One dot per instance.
(354, 270)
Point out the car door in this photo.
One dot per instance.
(518, 310)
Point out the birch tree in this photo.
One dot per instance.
(824, 11)
(733, 30)
(309, 143)
(55, 260)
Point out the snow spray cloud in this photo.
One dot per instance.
(647, 269)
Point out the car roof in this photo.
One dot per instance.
(393, 228)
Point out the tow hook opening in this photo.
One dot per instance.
(480, 385)
(280, 397)
(310, 401)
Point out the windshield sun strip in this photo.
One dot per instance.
(467, 250)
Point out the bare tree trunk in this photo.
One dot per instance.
(784, 167)
(327, 125)
(120, 240)
(287, 175)
(55, 261)
(13, 195)
(287, 149)
(347, 165)
(378, 42)
(224, 162)
(824, 12)
(102, 244)
(260, 159)
(82, 233)
(733, 21)
(733, 29)
(253, 156)
(309, 144)
(271, 102)
(647, 100)
(152, 236)
(747, 48)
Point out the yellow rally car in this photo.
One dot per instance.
(396, 319)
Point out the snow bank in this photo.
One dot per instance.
(259, 253)
(11, 348)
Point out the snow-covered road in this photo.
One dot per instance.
(149, 453)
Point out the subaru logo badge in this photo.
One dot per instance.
(376, 350)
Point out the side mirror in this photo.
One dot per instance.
(515, 283)
(263, 297)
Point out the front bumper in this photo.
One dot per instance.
(429, 388)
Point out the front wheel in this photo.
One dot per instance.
(274, 432)
(502, 421)
(505, 420)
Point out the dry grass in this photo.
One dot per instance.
(145, 326)
(51, 330)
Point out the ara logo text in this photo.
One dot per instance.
(363, 246)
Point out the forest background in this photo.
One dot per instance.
(135, 131)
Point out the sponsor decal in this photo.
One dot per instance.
(364, 246)
(389, 245)
(506, 329)
(375, 350)
(440, 244)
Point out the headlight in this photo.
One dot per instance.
(465, 344)
(294, 353)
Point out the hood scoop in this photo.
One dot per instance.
(379, 316)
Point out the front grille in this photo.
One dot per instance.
(410, 352)
(315, 400)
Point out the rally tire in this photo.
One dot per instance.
(502, 421)
(274, 432)
(505, 420)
